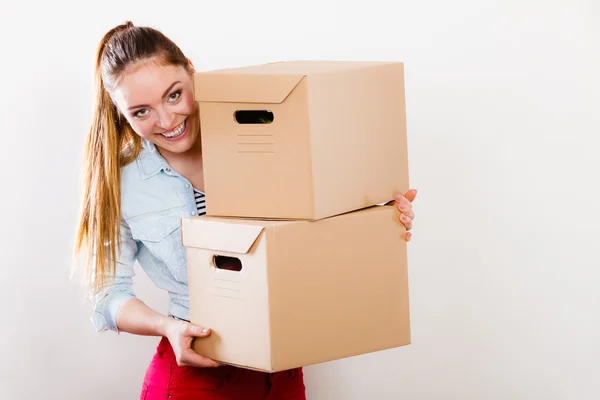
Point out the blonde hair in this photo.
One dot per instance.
(111, 144)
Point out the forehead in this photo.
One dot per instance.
(146, 83)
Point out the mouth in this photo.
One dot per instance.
(176, 132)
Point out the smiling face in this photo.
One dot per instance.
(158, 103)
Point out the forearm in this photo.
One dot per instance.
(137, 318)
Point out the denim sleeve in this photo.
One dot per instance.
(107, 302)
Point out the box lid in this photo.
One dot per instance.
(218, 235)
(244, 88)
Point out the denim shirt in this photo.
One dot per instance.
(154, 198)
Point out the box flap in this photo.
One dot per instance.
(219, 236)
(243, 88)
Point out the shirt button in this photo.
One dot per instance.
(187, 185)
(168, 169)
(193, 213)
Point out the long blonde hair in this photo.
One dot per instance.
(111, 144)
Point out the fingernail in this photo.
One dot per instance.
(404, 217)
(204, 330)
(402, 206)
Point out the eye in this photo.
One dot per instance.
(141, 113)
(175, 95)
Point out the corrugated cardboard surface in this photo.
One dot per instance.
(258, 170)
(337, 142)
(308, 292)
(233, 304)
(359, 156)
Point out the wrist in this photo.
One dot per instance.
(165, 325)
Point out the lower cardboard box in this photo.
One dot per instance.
(284, 294)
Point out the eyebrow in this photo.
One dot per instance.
(163, 96)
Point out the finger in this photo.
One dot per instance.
(192, 359)
(406, 221)
(408, 236)
(403, 200)
(400, 200)
(406, 210)
(403, 204)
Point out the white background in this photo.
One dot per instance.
(504, 131)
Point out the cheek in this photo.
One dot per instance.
(142, 128)
(187, 105)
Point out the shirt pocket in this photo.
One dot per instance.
(160, 232)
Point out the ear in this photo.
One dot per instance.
(191, 64)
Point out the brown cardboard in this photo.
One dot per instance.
(337, 142)
(308, 291)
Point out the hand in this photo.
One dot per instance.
(404, 204)
(180, 335)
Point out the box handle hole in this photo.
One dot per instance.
(254, 116)
(227, 263)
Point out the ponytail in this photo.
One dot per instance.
(110, 144)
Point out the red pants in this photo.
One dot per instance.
(165, 380)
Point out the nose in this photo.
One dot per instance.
(165, 119)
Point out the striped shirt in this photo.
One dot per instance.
(200, 201)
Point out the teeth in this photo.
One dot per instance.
(175, 132)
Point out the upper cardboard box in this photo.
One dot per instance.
(302, 139)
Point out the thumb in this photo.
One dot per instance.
(411, 194)
(198, 331)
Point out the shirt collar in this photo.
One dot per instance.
(149, 161)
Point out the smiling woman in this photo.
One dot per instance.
(144, 156)
(144, 174)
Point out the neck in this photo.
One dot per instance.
(188, 164)
(193, 155)
(196, 150)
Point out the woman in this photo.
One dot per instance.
(144, 174)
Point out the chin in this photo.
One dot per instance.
(180, 147)
(180, 144)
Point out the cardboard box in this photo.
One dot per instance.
(307, 291)
(333, 138)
